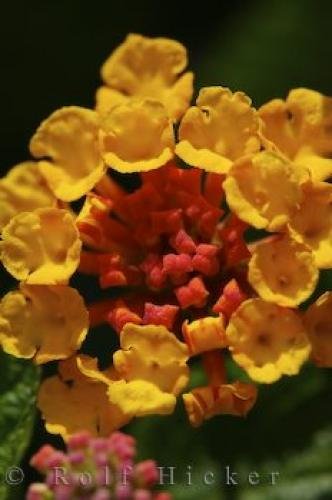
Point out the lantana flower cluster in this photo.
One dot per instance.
(95, 469)
(182, 283)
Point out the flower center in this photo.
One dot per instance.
(176, 254)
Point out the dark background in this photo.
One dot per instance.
(51, 52)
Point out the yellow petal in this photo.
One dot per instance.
(204, 403)
(140, 398)
(319, 168)
(312, 222)
(283, 271)
(41, 247)
(92, 226)
(148, 68)
(44, 322)
(318, 321)
(152, 363)
(152, 353)
(219, 130)
(205, 334)
(300, 128)
(107, 98)
(267, 340)
(264, 190)
(23, 189)
(136, 136)
(278, 127)
(68, 139)
(177, 100)
(89, 367)
(77, 404)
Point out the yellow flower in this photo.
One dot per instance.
(41, 247)
(23, 189)
(136, 136)
(42, 322)
(283, 271)
(67, 143)
(205, 334)
(264, 190)
(91, 227)
(72, 402)
(318, 321)
(312, 222)
(154, 354)
(204, 403)
(219, 130)
(140, 398)
(152, 364)
(147, 68)
(301, 128)
(89, 367)
(267, 340)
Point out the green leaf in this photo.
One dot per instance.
(304, 475)
(18, 386)
(196, 488)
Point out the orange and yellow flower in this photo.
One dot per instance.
(300, 128)
(182, 287)
(74, 400)
(43, 322)
(143, 67)
(319, 327)
(68, 139)
(267, 340)
(220, 129)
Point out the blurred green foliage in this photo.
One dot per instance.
(19, 381)
(268, 48)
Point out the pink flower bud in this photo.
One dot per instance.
(105, 476)
(102, 494)
(146, 473)
(111, 472)
(57, 459)
(142, 495)
(177, 267)
(162, 495)
(63, 492)
(192, 294)
(206, 261)
(123, 492)
(159, 315)
(183, 243)
(99, 444)
(39, 460)
(123, 445)
(37, 491)
(79, 440)
(232, 296)
(120, 315)
(76, 457)
(101, 458)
